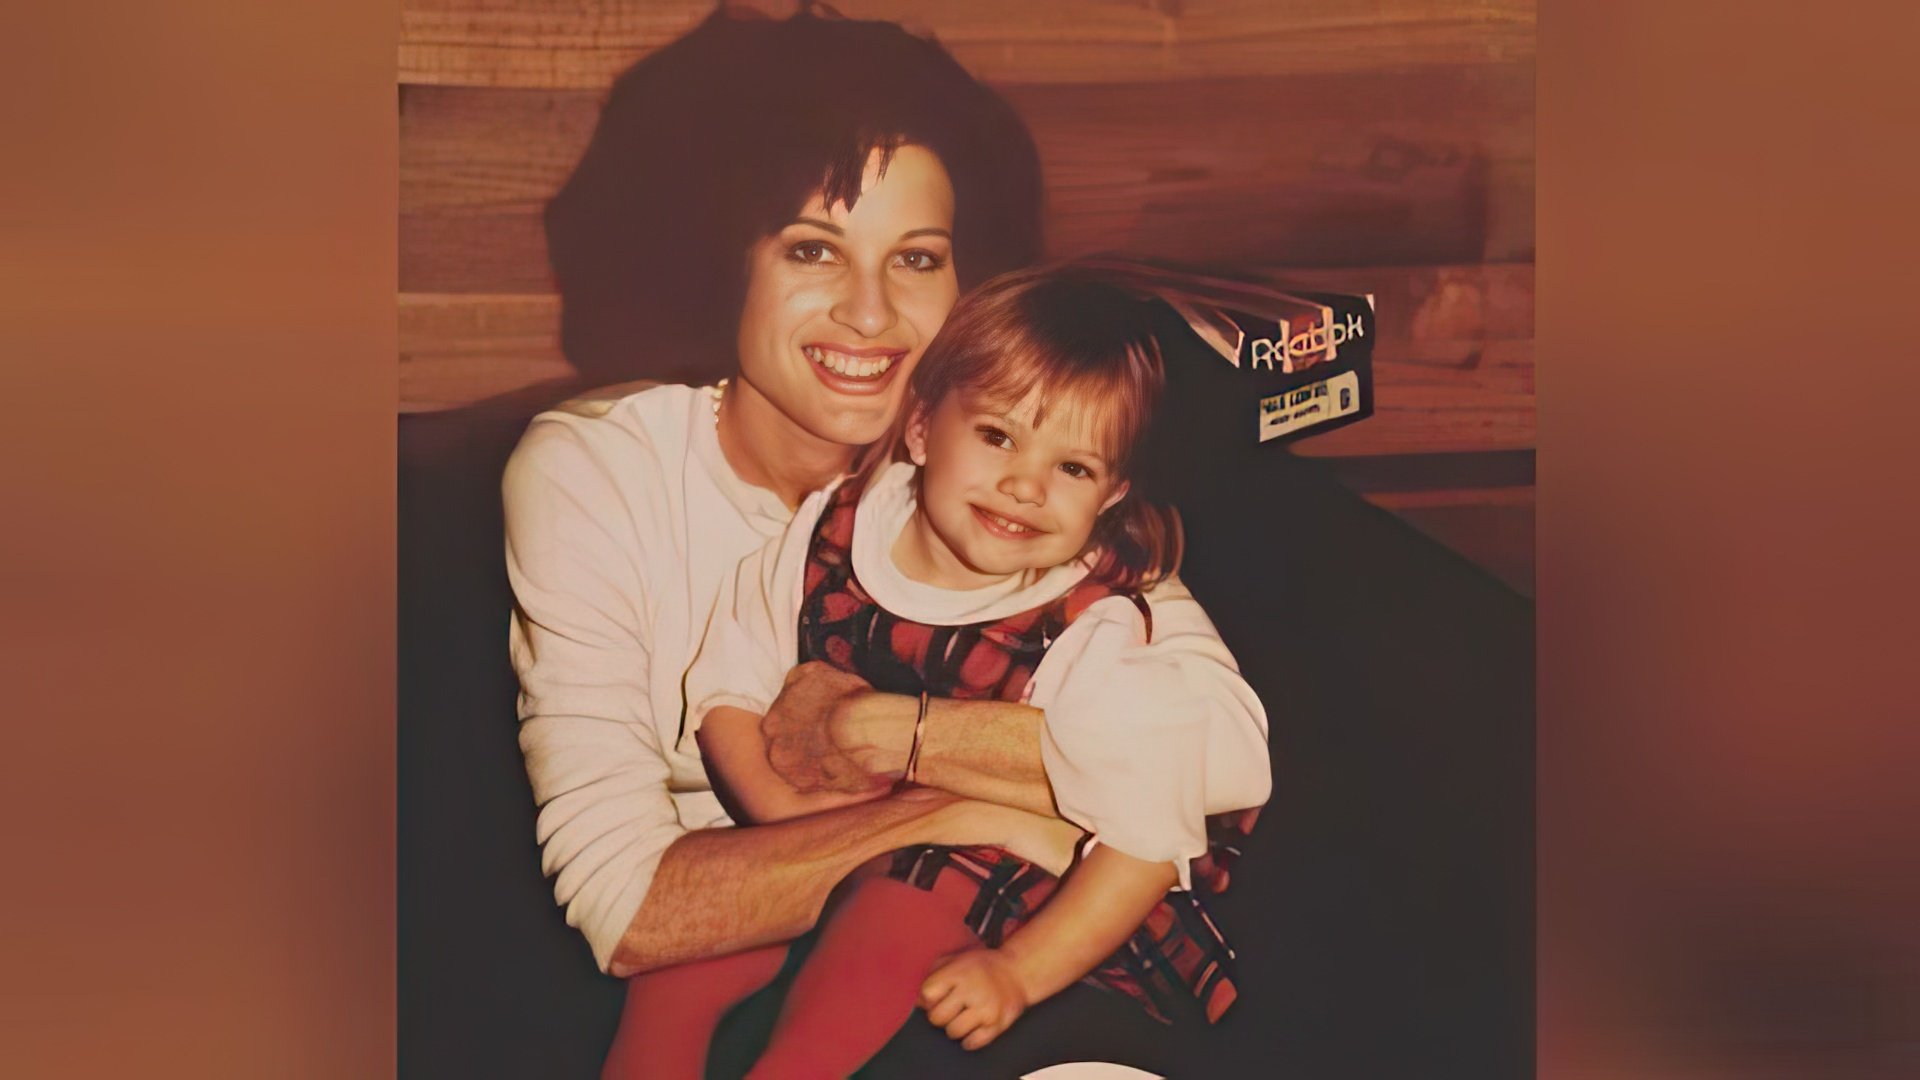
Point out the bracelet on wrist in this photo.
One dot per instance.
(913, 753)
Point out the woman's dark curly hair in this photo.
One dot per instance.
(717, 139)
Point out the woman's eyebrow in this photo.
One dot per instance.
(818, 224)
(836, 230)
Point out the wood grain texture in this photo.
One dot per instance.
(459, 349)
(1453, 365)
(584, 44)
(1413, 168)
(1383, 147)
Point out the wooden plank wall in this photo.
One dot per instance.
(1382, 146)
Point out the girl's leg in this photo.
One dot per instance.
(670, 1014)
(862, 980)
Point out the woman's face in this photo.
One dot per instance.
(841, 303)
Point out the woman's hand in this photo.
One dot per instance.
(805, 726)
(1046, 842)
(975, 995)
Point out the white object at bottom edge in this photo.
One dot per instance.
(1091, 1070)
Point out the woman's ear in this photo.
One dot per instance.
(1119, 492)
(916, 435)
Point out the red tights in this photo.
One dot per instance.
(856, 988)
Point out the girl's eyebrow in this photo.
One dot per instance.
(1095, 455)
(1077, 451)
(1005, 418)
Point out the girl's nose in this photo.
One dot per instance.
(1022, 487)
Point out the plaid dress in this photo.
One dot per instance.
(1177, 962)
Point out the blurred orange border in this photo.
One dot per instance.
(199, 261)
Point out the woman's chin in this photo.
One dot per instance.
(849, 424)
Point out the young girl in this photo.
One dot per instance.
(1007, 557)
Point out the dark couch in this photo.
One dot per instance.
(1384, 915)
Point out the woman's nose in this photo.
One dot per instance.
(865, 306)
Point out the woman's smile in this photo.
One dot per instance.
(853, 369)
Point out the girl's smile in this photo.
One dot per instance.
(1007, 526)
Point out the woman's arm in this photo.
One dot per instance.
(825, 730)
(829, 731)
(978, 994)
(718, 891)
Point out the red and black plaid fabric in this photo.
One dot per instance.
(1177, 961)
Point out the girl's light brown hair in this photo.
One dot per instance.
(1083, 343)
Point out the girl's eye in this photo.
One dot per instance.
(923, 262)
(811, 252)
(993, 436)
(1076, 470)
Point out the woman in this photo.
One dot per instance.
(859, 195)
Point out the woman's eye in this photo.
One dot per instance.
(925, 262)
(811, 252)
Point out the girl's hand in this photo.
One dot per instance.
(975, 995)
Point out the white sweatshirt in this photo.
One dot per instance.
(623, 521)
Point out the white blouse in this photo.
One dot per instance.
(1142, 738)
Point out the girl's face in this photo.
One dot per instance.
(840, 303)
(1000, 493)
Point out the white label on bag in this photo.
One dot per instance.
(1313, 403)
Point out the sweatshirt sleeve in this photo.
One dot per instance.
(579, 641)
(752, 635)
(1144, 738)
(1239, 771)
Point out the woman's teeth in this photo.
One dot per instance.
(851, 366)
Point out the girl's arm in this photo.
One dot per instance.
(735, 755)
(976, 995)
